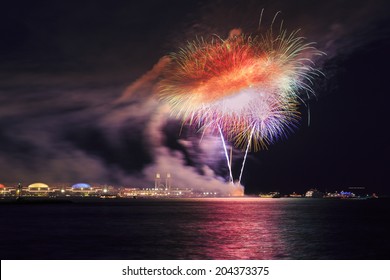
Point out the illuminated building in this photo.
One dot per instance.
(4, 191)
(157, 181)
(181, 192)
(159, 185)
(144, 192)
(162, 188)
(168, 182)
(81, 189)
(38, 189)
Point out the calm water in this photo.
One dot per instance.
(246, 228)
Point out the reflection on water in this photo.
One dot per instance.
(231, 229)
(242, 228)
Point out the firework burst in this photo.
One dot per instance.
(248, 86)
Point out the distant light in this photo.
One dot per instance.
(81, 186)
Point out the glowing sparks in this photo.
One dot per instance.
(247, 87)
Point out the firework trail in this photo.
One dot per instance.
(247, 87)
(226, 154)
(246, 153)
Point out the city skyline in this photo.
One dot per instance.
(165, 182)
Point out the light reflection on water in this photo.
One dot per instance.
(242, 228)
(237, 229)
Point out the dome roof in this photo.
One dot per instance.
(81, 186)
(38, 185)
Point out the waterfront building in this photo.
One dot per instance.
(38, 189)
(4, 191)
(168, 182)
(81, 189)
(159, 184)
(157, 181)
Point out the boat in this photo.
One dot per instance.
(295, 195)
(314, 193)
(270, 195)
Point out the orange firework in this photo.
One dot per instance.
(248, 87)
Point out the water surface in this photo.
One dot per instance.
(242, 228)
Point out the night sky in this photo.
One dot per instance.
(76, 104)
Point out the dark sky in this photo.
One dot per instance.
(64, 65)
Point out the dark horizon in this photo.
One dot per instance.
(65, 65)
